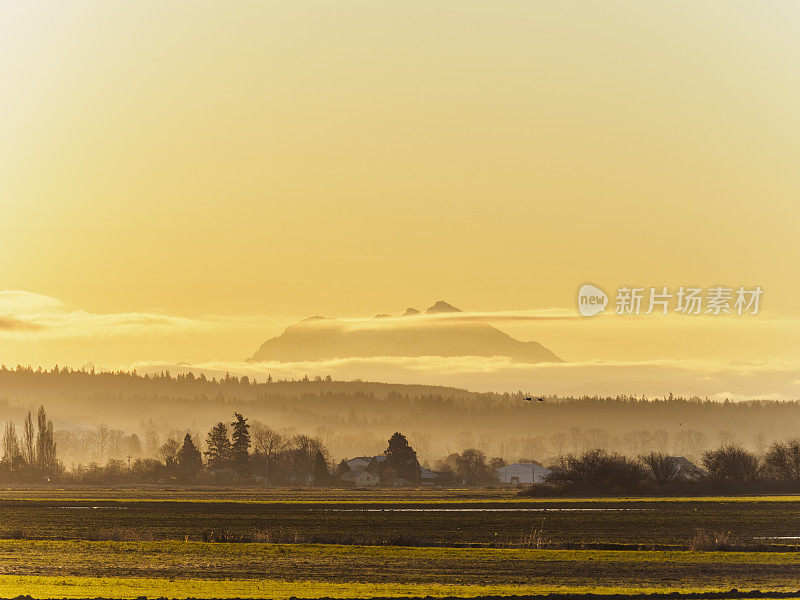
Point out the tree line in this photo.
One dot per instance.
(238, 453)
(357, 414)
(232, 456)
(34, 456)
(235, 453)
(727, 469)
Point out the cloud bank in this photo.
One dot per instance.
(717, 381)
(36, 316)
(48, 329)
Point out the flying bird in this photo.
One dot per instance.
(531, 399)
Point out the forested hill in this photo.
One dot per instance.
(356, 418)
(26, 382)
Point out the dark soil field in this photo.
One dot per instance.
(446, 519)
(202, 543)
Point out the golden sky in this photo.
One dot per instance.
(348, 158)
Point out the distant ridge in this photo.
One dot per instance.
(318, 338)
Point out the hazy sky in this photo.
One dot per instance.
(348, 158)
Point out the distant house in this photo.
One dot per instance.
(522, 474)
(686, 469)
(361, 478)
(427, 477)
(359, 462)
(367, 463)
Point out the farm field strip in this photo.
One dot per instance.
(407, 566)
(334, 496)
(156, 552)
(117, 587)
(398, 523)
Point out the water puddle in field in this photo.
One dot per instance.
(482, 509)
(93, 507)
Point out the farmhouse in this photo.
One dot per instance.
(361, 478)
(522, 473)
(426, 476)
(365, 462)
(359, 462)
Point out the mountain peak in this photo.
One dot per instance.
(442, 307)
(314, 318)
(319, 338)
(411, 311)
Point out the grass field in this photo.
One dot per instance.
(393, 570)
(55, 555)
(113, 587)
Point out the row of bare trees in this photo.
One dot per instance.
(34, 456)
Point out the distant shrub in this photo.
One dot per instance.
(221, 535)
(661, 469)
(731, 465)
(704, 541)
(540, 490)
(14, 534)
(402, 539)
(596, 471)
(782, 461)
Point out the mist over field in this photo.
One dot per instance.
(95, 416)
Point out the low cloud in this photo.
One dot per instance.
(28, 315)
(12, 324)
(547, 314)
(716, 381)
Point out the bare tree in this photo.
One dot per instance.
(28, 441)
(661, 469)
(269, 444)
(11, 450)
(102, 440)
(782, 461)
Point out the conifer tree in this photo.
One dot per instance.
(189, 461)
(219, 446)
(240, 448)
(401, 457)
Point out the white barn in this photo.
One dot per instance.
(522, 473)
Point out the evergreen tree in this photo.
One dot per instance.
(240, 448)
(219, 446)
(321, 474)
(401, 457)
(190, 463)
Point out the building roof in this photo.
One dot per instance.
(426, 474)
(531, 467)
(686, 466)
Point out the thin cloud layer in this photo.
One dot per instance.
(27, 320)
(12, 324)
(30, 315)
(716, 381)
